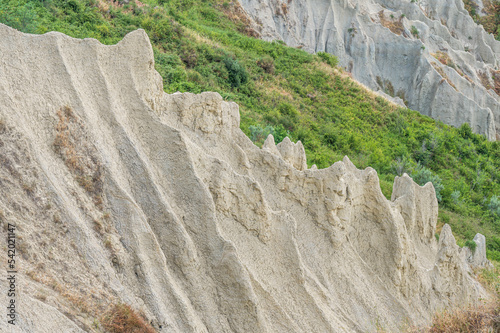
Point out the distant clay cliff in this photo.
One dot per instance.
(429, 53)
(122, 193)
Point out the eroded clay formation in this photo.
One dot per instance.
(122, 193)
(427, 53)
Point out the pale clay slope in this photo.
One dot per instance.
(353, 31)
(200, 229)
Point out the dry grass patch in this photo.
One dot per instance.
(473, 319)
(78, 155)
(122, 318)
(201, 39)
(480, 318)
(75, 301)
(468, 79)
(485, 79)
(490, 20)
(105, 5)
(386, 86)
(490, 279)
(3, 126)
(495, 75)
(445, 59)
(275, 87)
(237, 15)
(443, 75)
(395, 25)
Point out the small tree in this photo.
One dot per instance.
(237, 73)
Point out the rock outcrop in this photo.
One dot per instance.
(477, 257)
(430, 53)
(122, 193)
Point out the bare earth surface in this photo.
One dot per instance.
(122, 193)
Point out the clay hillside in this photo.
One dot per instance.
(178, 173)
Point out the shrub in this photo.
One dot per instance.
(471, 245)
(494, 205)
(267, 64)
(400, 165)
(455, 197)
(288, 110)
(424, 154)
(189, 56)
(259, 134)
(173, 75)
(465, 131)
(237, 73)
(279, 133)
(414, 31)
(330, 59)
(421, 175)
(395, 119)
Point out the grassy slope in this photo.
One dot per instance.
(204, 45)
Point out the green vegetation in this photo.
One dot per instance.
(237, 74)
(421, 175)
(208, 46)
(414, 31)
(491, 19)
(471, 245)
(328, 58)
(494, 205)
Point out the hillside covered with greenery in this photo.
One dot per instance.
(209, 46)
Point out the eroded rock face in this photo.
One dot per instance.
(160, 201)
(477, 258)
(429, 53)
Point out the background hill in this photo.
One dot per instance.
(212, 46)
(429, 54)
